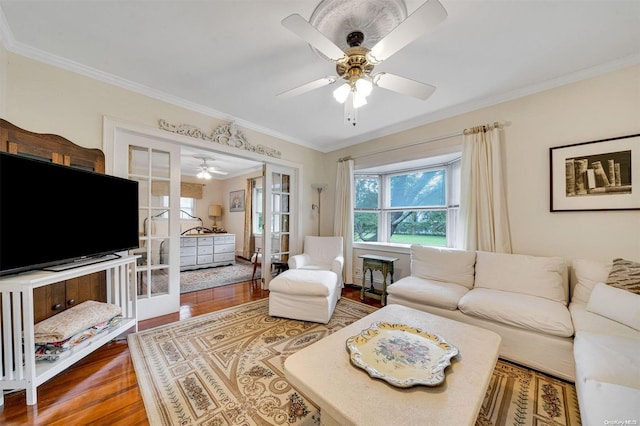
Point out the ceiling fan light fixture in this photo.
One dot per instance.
(203, 174)
(363, 87)
(205, 171)
(342, 93)
(359, 99)
(375, 30)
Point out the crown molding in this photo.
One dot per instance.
(11, 45)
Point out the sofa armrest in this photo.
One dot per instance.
(298, 261)
(337, 264)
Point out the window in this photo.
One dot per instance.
(187, 207)
(411, 206)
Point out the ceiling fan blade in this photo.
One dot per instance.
(403, 85)
(325, 81)
(303, 29)
(422, 20)
(218, 172)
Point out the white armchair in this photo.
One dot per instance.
(320, 253)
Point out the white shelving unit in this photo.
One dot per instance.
(19, 369)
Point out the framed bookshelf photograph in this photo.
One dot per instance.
(597, 175)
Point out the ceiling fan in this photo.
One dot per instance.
(356, 63)
(204, 170)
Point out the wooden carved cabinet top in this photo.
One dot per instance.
(59, 150)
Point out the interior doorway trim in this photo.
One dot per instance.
(110, 125)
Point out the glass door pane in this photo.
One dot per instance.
(279, 216)
(150, 168)
(155, 165)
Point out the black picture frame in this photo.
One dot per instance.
(596, 175)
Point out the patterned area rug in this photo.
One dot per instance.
(200, 279)
(518, 396)
(226, 368)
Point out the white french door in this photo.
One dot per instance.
(280, 217)
(155, 164)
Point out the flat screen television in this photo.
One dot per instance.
(52, 214)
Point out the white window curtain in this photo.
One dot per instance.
(343, 222)
(483, 219)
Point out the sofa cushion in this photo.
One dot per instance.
(625, 275)
(587, 274)
(616, 304)
(531, 275)
(518, 310)
(584, 320)
(428, 292)
(607, 403)
(607, 358)
(443, 264)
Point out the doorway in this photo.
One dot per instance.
(183, 151)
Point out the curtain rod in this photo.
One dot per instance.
(484, 128)
(498, 124)
(439, 138)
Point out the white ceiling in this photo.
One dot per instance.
(191, 158)
(229, 58)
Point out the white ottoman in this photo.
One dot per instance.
(305, 295)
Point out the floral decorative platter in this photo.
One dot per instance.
(403, 356)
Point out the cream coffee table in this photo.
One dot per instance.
(347, 395)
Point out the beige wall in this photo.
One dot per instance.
(234, 221)
(46, 99)
(597, 108)
(211, 194)
(216, 191)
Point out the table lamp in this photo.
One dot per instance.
(215, 210)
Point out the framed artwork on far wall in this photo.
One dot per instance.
(597, 175)
(236, 201)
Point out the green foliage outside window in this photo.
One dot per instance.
(367, 189)
(365, 227)
(411, 211)
(420, 189)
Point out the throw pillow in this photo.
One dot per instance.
(588, 273)
(443, 264)
(520, 273)
(625, 275)
(615, 304)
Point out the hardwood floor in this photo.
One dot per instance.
(102, 388)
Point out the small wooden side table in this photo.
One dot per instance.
(372, 262)
(279, 267)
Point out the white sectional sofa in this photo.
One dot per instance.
(522, 298)
(606, 347)
(525, 299)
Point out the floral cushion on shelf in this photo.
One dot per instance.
(625, 275)
(54, 351)
(74, 320)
